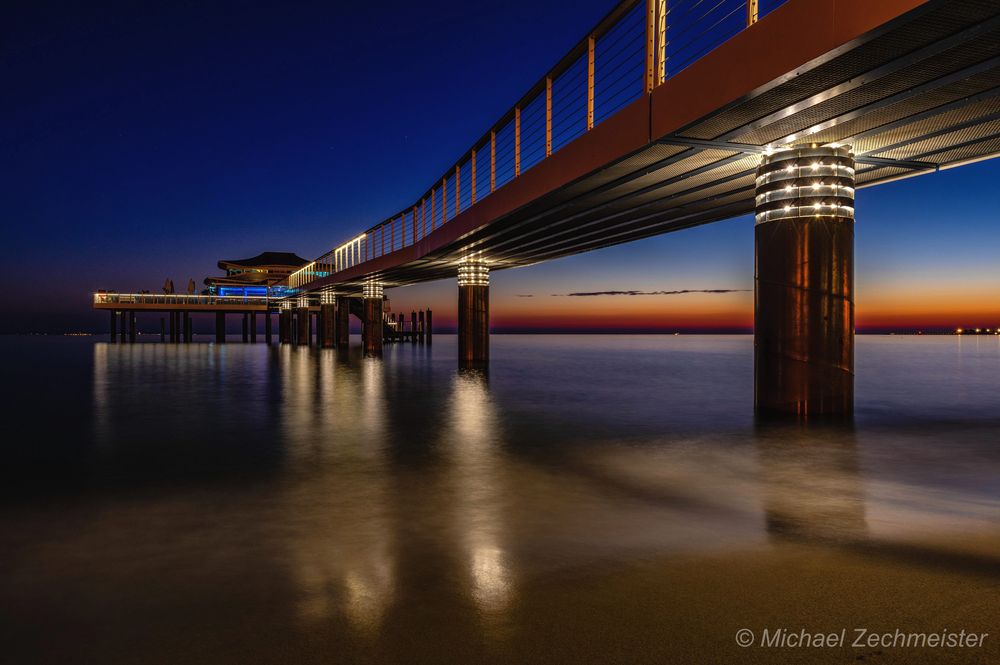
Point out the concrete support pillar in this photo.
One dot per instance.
(804, 285)
(372, 331)
(473, 313)
(285, 326)
(246, 327)
(303, 326)
(328, 318)
(114, 327)
(267, 327)
(343, 334)
(220, 327)
(430, 327)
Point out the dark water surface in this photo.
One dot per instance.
(594, 499)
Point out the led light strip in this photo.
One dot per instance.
(473, 272)
(372, 289)
(813, 181)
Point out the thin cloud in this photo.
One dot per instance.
(525, 295)
(583, 294)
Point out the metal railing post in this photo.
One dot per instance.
(590, 82)
(548, 116)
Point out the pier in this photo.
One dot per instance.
(658, 121)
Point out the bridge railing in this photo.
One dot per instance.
(175, 299)
(636, 47)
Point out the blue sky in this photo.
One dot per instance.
(142, 141)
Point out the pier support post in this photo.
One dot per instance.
(188, 336)
(220, 327)
(473, 313)
(246, 327)
(267, 327)
(420, 322)
(328, 317)
(114, 326)
(413, 327)
(284, 326)
(804, 283)
(430, 327)
(163, 329)
(372, 330)
(343, 322)
(303, 326)
(253, 327)
(132, 327)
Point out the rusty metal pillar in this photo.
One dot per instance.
(304, 326)
(372, 331)
(328, 317)
(804, 286)
(343, 334)
(473, 313)
(220, 327)
(285, 326)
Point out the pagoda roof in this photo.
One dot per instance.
(268, 259)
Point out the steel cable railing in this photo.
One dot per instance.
(639, 45)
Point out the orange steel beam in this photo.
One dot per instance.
(590, 82)
(517, 141)
(650, 43)
(661, 41)
(548, 116)
(493, 161)
(473, 191)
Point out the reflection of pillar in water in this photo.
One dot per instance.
(812, 483)
(473, 436)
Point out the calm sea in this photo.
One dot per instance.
(593, 498)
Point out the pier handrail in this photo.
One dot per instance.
(636, 47)
(176, 299)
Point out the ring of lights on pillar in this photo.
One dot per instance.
(473, 272)
(372, 289)
(816, 181)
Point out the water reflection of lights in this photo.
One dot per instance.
(340, 534)
(473, 440)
